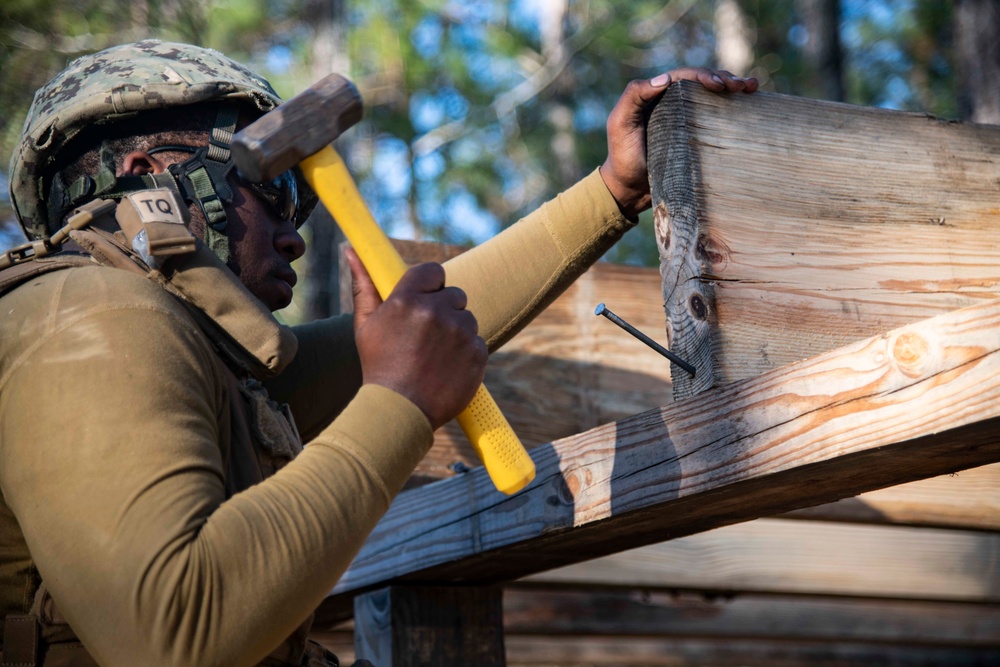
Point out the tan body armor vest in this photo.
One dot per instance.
(260, 439)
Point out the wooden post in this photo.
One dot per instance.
(788, 227)
(430, 626)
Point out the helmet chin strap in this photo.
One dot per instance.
(202, 178)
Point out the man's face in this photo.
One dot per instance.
(262, 243)
(262, 246)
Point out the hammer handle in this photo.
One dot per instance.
(498, 447)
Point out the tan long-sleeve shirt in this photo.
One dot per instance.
(111, 400)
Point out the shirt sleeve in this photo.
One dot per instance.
(112, 465)
(534, 260)
(324, 375)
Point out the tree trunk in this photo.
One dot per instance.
(821, 19)
(329, 54)
(735, 37)
(552, 21)
(977, 45)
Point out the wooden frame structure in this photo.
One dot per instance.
(865, 240)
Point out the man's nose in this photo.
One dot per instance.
(289, 243)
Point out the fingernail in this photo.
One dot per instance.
(660, 81)
(718, 80)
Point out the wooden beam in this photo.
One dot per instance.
(540, 650)
(534, 614)
(968, 499)
(528, 651)
(779, 557)
(788, 226)
(567, 372)
(629, 612)
(915, 403)
(417, 626)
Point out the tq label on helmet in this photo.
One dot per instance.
(158, 205)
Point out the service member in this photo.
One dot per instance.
(158, 506)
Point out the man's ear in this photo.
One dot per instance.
(140, 163)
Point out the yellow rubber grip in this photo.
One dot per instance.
(498, 447)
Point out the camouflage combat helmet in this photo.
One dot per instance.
(113, 85)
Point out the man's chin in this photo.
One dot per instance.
(279, 295)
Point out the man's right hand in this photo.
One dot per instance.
(420, 342)
(624, 172)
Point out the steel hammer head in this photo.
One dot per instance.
(296, 129)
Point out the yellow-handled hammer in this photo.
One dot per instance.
(300, 131)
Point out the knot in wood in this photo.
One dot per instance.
(698, 307)
(714, 251)
(573, 484)
(566, 487)
(912, 354)
(661, 223)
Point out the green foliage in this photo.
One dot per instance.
(477, 112)
(510, 115)
(902, 58)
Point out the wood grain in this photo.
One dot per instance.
(632, 612)
(788, 227)
(527, 651)
(914, 403)
(559, 616)
(567, 372)
(776, 556)
(968, 499)
(424, 626)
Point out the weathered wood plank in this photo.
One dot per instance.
(527, 651)
(567, 372)
(776, 556)
(532, 609)
(627, 612)
(788, 227)
(918, 402)
(536, 650)
(969, 499)
(417, 626)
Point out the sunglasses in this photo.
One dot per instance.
(281, 194)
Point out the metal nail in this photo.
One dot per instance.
(602, 310)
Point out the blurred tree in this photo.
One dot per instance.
(39, 37)
(900, 55)
(977, 37)
(735, 37)
(821, 20)
(477, 112)
(329, 54)
(485, 110)
(776, 38)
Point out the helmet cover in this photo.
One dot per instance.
(115, 84)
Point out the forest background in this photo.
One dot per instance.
(478, 111)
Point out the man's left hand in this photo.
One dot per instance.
(624, 171)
